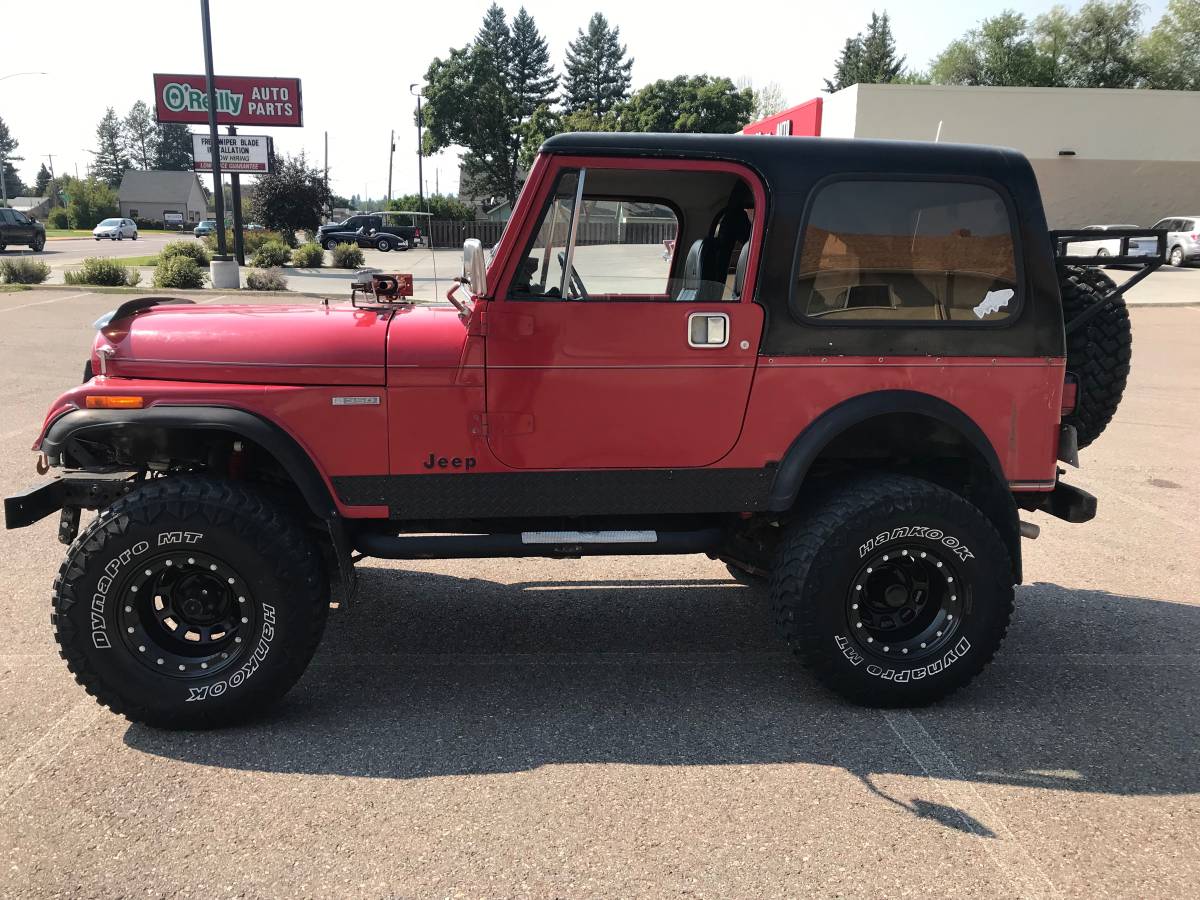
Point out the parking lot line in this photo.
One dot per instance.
(42, 302)
(1008, 854)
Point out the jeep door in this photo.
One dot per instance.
(618, 337)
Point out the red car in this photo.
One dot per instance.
(862, 361)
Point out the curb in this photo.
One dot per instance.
(150, 291)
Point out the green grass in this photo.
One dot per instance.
(137, 260)
(13, 288)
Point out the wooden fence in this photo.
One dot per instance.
(450, 233)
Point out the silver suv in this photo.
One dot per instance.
(1183, 239)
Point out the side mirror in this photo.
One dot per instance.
(474, 270)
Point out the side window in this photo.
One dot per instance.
(918, 251)
(4, 220)
(620, 249)
(641, 234)
(18, 217)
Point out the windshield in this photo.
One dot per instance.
(111, 222)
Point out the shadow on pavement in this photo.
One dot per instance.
(432, 675)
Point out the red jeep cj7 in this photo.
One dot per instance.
(859, 362)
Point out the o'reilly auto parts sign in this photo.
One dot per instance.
(240, 100)
(246, 153)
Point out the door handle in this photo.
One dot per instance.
(707, 329)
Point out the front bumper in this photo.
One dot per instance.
(73, 490)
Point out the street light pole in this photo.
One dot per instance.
(420, 147)
(214, 135)
(391, 153)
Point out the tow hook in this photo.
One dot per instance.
(1029, 530)
(42, 465)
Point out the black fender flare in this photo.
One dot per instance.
(235, 422)
(809, 444)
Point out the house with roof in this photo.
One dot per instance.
(34, 207)
(150, 196)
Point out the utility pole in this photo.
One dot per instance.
(213, 134)
(50, 156)
(391, 153)
(235, 185)
(420, 147)
(327, 160)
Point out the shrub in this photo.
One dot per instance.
(103, 272)
(272, 254)
(58, 218)
(347, 256)
(189, 249)
(251, 240)
(23, 271)
(179, 272)
(308, 256)
(266, 280)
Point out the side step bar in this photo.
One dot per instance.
(551, 544)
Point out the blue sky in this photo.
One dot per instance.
(357, 59)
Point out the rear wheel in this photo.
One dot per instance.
(190, 603)
(331, 244)
(1098, 352)
(894, 591)
(383, 244)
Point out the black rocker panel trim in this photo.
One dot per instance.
(496, 495)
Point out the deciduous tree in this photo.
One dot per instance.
(699, 104)
(291, 197)
(1171, 52)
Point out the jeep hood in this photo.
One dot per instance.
(312, 344)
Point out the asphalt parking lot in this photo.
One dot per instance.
(631, 726)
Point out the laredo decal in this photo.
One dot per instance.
(248, 668)
(901, 676)
(917, 531)
(103, 586)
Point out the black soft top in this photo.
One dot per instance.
(778, 158)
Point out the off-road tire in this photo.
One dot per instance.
(1098, 353)
(184, 528)
(821, 592)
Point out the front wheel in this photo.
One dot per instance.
(894, 591)
(1176, 257)
(39, 243)
(190, 603)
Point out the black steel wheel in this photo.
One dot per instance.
(892, 590)
(190, 603)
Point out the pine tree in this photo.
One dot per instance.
(869, 58)
(111, 162)
(42, 182)
(598, 74)
(138, 133)
(531, 74)
(173, 147)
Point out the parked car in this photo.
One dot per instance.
(18, 228)
(253, 226)
(1183, 239)
(858, 413)
(1112, 246)
(208, 226)
(367, 231)
(116, 230)
(173, 221)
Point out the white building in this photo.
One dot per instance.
(1101, 156)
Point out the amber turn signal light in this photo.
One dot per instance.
(115, 403)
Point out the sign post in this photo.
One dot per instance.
(235, 194)
(218, 188)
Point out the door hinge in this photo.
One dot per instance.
(479, 324)
(479, 424)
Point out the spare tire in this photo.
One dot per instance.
(1098, 352)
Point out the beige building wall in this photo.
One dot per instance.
(1136, 153)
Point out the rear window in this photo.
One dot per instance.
(916, 251)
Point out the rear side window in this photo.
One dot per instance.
(914, 251)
